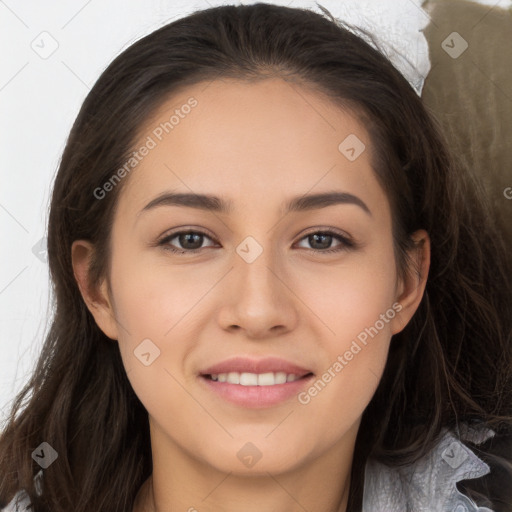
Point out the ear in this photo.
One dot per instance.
(97, 299)
(410, 289)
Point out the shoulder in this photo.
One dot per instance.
(21, 501)
(431, 482)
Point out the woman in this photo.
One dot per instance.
(336, 336)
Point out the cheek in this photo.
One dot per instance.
(358, 323)
(356, 304)
(153, 311)
(155, 297)
(354, 358)
(351, 296)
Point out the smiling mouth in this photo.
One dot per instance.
(255, 379)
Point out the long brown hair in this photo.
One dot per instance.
(451, 364)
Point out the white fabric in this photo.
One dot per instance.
(397, 26)
(430, 483)
(21, 501)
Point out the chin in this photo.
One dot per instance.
(258, 457)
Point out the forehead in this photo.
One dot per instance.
(251, 142)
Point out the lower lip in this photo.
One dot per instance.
(256, 396)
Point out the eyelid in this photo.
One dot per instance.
(324, 229)
(185, 229)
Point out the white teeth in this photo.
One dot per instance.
(266, 379)
(280, 378)
(233, 378)
(254, 379)
(248, 379)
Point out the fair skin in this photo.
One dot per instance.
(258, 145)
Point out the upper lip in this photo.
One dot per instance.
(265, 365)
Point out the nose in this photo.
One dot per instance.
(258, 299)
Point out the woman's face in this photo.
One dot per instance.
(259, 285)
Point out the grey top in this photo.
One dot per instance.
(429, 485)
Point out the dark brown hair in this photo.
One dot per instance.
(451, 364)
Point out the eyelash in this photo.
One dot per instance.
(346, 242)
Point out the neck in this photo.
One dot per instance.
(146, 502)
(181, 482)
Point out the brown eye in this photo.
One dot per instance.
(321, 241)
(189, 241)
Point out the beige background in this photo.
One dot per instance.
(471, 95)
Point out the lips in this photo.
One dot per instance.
(247, 365)
(255, 383)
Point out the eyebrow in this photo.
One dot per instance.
(220, 205)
